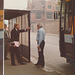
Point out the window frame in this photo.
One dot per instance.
(37, 16)
(49, 7)
(68, 30)
(47, 15)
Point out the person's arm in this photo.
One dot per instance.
(40, 38)
(23, 30)
(5, 35)
(37, 38)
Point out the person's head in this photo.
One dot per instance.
(39, 26)
(5, 26)
(16, 25)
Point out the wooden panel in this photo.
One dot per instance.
(70, 55)
(68, 0)
(70, 50)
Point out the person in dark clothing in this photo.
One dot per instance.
(15, 44)
(41, 44)
(6, 42)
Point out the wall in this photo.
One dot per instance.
(51, 27)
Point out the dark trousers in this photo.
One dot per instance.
(15, 51)
(41, 55)
(5, 50)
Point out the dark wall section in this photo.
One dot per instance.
(1, 4)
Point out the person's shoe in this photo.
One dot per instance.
(39, 66)
(42, 65)
(22, 63)
(36, 64)
(7, 59)
(13, 64)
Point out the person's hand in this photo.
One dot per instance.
(28, 28)
(14, 45)
(39, 49)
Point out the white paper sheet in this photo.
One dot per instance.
(17, 44)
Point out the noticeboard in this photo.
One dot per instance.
(1, 19)
(68, 0)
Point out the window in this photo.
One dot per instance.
(49, 15)
(38, 15)
(49, 6)
(14, 21)
(62, 16)
(57, 8)
(68, 24)
(56, 15)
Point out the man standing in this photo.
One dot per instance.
(15, 44)
(6, 42)
(41, 43)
